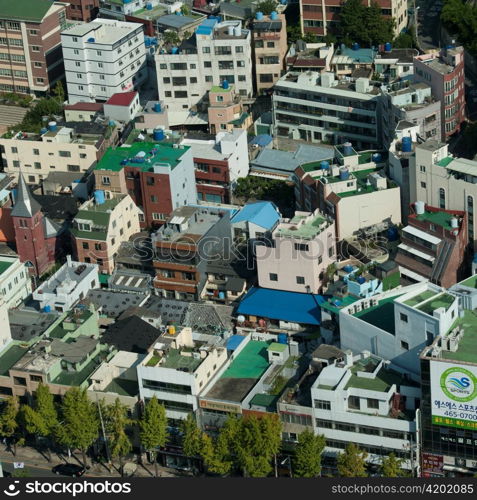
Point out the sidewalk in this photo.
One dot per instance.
(33, 458)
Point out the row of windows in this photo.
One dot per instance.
(166, 386)
(292, 418)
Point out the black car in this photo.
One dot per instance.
(69, 470)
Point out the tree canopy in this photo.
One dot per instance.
(460, 17)
(352, 462)
(266, 7)
(391, 466)
(307, 462)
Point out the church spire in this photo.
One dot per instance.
(25, 205)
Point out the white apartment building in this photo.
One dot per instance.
(69, 284)
(5, 332)
(59, 149)
(15, 282)
(102, 58)
(397, 325)
(216, 52)
(361, 399)
(177, 370)
(319, 108)
(441, 180)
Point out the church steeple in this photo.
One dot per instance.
(25, 205)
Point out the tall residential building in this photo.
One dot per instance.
(217, 52)
(444, 72)
(440, 180)
(15, 282)
(219, 163)
(433, 245)
(318, 108)
(226, 111)
(297, 254)
(102, 58)
(30, 45)
(158, 177)
(270, 47)
(322, 16)
(101, 225)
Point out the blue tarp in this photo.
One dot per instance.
(262, 140)
(286, 306)
(262, 213)
(234, 341)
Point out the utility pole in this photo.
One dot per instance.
(108, 457)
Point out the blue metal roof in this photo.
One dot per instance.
(363, 55)
(206, 27)
(262, 213)
(234, 341)
(262, 140)
(286, 306)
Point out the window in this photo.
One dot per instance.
(207, 64)
(273, 277)
(99, 262)
(178, 66)
(158, 216)
(33, 32)
(40, 80)
(373, 403)
(404, 345)
(301, 247)
(73, 168)
(97, 246)
(239, 49)
(166, 80)
(270, 44)
(364, 429)
(353, 402)
(37, 164)
(76, 52)
(179, 81)
(442, 198)
(422, 168)
(403, 317)
(193, 79)
(105, 180)
(153, 198)
(208, 78)
(85, 245)
(180, 94)
(324, 424)
(423, 185)
(341, 426)
(220, 98)
(300, 280)
(322, 404)
(266, 78)
(14, 150)
(35, 48)
(98, 52)
(241, 78)
(168, 93)
(162, 66)
(206, 50)
(64, 154)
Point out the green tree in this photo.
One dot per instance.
(79, 424)
(153, 428)
(391, 466)
(171, 37)
(404, 41)
(460, 17)
(257, 443)
(310, 38)
(116, 421)
(352, 462)
(293, 33)
(215, 455)
(308, 452)
(59, 92)
(192, 440)
(42, 418)
(185, 9)
(9, 420)
(267, 7)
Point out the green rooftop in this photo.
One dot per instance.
(445, 161)
(218, 88)
(59, 332)
(470, 282)
(338, 303)
(24, 10)
(77, 378)
(444, 300)
(156, 11)
(380, 315)
(9, 357)
(123, 387)
(251, 362)
(467, 349)
(99, 217)
(383, 381)
(174, 359)
(438, 218)
(238, 122)
(362, 187)
(163, 155)
(267, 401)
(4, 266)
(300, 229)
(276, 347)
(421, 297)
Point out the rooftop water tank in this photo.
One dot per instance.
(344, 173)
(347, 149)
(259, 16)
(324, 165)
(47, 309)
(221, 295)
(392, 233)
(376, 157)
(157, 107)
(420, 207)
(454, 222)
(361, 280)
(52, 126)
(406, 144)
(282, 338)
(43, 131)
(355, 46)
(149, 6)
(238, 31)
(158, 134)
(99, 197)
(225, 84)
(273, 16)
(91, 40)
(388, 47)
(175, 50)
(347, 268)
(112, 123)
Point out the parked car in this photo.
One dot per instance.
(73, 470)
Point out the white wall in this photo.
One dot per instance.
(15, 282)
